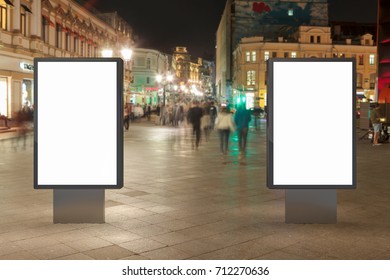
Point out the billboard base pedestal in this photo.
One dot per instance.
(311, 206)
(78, 206)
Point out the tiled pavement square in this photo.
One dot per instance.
(180, 203)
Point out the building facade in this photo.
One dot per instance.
(146, 65)
(48, 28)
(207, 78)
(251, 54)
(270, 19)
(194, 78)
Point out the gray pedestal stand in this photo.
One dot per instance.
(78, 206)
(311, 206)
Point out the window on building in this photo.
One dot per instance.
(266, 56)
(318, 39)
(75, 44)
(253, 56)
(67, 40)
(285, 54)
(23, 22)
(361, 59)
(82, 48)
(58, 35)
(372, 80)
(294, 55)
(148, 63)
(359, 80)
(372, 59)
(88, 50)
(3, 15)
(367, 42)
(251, 78)
(274, 54)
(148, 80)
(248, 56)
(311, 39)
(290, 12)
(45, 30)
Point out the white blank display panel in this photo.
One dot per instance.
(77, 134)
(311, 142)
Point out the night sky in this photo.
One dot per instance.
(164, 24)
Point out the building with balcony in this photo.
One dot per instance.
(48, 28)
(249, 71)
(146, 65)
(270, 19)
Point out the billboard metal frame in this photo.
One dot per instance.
(118, 125)
(270, 125)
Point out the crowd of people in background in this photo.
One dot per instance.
(203, 117)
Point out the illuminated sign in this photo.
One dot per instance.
(26, 66)
(78, 123)
(311, 141)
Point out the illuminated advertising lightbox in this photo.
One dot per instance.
(311, 124)
(78, 141)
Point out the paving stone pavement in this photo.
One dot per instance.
(180, 203)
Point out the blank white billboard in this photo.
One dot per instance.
(78, 116)
(311, 123)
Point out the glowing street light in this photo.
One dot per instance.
(127, 54)
(164, 80)
(107, 53)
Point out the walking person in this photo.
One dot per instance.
(242, 118)
(149, 112)
(195, 114)
(213, 114)
(376, 125)
(126, 117)
(224, 124)
(205, 124)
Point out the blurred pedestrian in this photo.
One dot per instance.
(195, 114)
(213, 114)
(126, 116)
(242, 117)
(149, 112)
(224, 124)
(376, 125)
(205, 123)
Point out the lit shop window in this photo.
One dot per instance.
(294, 55)
(248, 56)
(251, 78)
(253, 56)
(290, 12)
(266, 56)
(372, 59)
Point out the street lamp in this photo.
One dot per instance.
(107, 53)
(126, 54)
(164, 80)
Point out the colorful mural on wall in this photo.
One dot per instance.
(275, 18)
